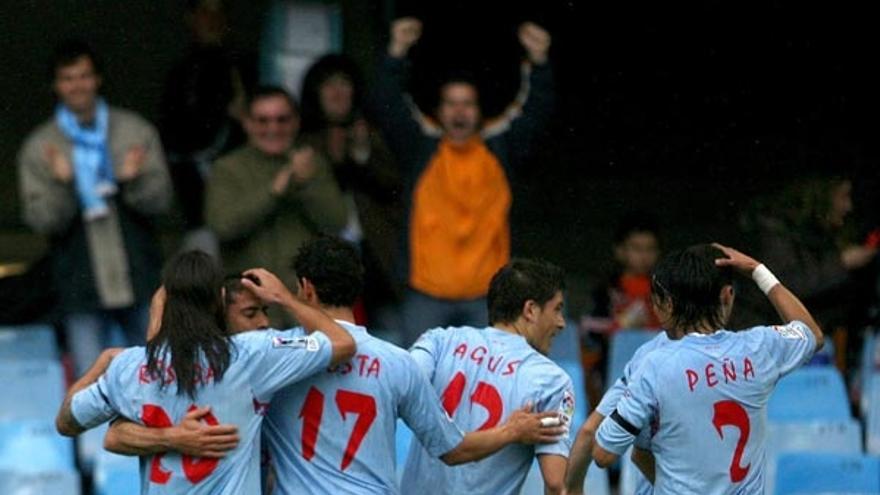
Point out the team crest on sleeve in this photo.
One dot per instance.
(790, 331)
(308, 343)
(566, 408)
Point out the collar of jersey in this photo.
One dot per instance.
(705, 335)
(351, 327)
(505, 334)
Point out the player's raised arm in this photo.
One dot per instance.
(65, 422)
(272, 291)
(523, 426)
(191, 437)
(789, 307)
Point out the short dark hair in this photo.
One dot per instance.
(519, 281)
(334, 267)
(68, 52)
(460, 77)
(269, 91)
(692, 283)
(232, 286)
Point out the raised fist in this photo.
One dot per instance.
(536, 41)
(405, 32)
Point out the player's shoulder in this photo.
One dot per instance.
(441, 336)
(794, 329)
(544, 373)
(660, 340)
(653, 360)
(127, 360)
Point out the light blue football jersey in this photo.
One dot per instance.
(708, 396)
(482, 376)
(335, 432)
(609, 402)
(261, 364)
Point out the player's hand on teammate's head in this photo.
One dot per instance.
(536, 41)
(743, 263)
(405, 32)
(270, 289)
(530, 427)
(196, 438)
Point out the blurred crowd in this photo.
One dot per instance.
(426, 199)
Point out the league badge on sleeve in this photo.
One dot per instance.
(791, 331)
(308, 343)
(566, 408)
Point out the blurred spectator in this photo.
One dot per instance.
(624, 300)
(334, 124)
(266, 198)
(200, 113)
(456, 177)
(92, 179)
(803, 235)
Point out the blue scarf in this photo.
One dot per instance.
(92, 167)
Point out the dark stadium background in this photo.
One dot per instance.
(689, 109)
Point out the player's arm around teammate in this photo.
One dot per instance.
(193, 437)
(65, 422)
(523, 426)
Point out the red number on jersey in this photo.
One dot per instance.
(730, 413)
(156, 417)
(311, 413)
(194, 468)
(485, 394)
(348, 402)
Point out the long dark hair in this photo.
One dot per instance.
(193, 324)
(313, 118)
(691, 281)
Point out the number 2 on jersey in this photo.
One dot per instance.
(730, 413)
(347, 402)
(194, 468)
(485, 394)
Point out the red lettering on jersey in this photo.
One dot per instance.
(710, 375)
(748, 368)
(493, 368)
(374, 368)
(363, 359)
(144, 375)
(478, 354)
(166, 373)
(692, 378)
(460, 351)
(170, 375)
(729, 371)
(511, 367)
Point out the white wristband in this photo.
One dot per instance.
(764, 278)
